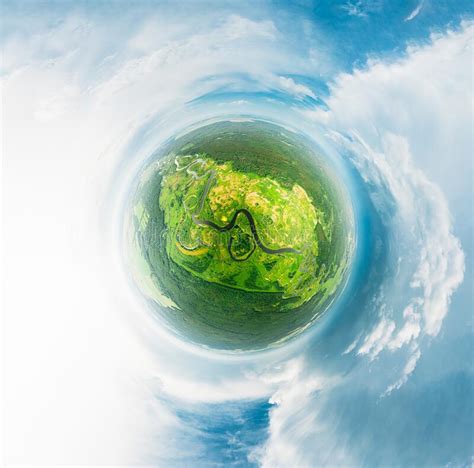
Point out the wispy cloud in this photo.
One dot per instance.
(362, 8)
(415, 12)
(354, 9)
(294, 88)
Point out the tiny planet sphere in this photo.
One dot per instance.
(239, 235)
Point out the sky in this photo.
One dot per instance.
(90, 90)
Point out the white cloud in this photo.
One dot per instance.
(46, 44)
(236, 27)
(354, 9)
(295, 433)
(352, 346)
(400, 112)
(175, 64)
(440, 267)
(407, 371)
(440, 271)
(416, 97)
(378, 339)
(410, 329)
(297, 89)
(430, 256)
(415, 12)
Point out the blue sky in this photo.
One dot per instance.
(91, 89)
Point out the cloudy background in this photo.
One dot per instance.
(90, 89)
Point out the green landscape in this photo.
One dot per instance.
(239, 237)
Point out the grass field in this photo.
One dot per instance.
(239, 235)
